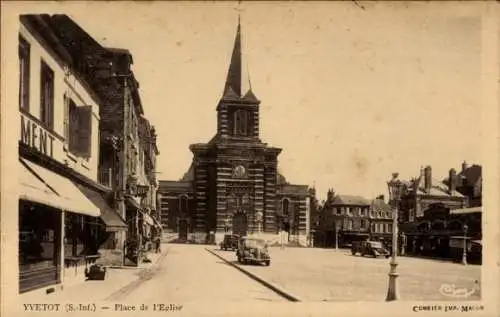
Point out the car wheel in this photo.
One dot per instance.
(267, 263)
(353, 252)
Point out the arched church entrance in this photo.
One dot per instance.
(183, 229)
(240, 224)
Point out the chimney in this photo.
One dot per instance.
(428, 179)
(381, 197)
(422, 172)
(451, 180)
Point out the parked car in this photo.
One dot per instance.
(230, 242)
(372, 248)
(253, 250)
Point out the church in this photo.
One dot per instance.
(233, 184)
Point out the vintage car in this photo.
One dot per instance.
(372, 248)
(253, 250)
(230, 242)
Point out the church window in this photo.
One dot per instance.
(286, 205)
(240, 123)
(183, 204)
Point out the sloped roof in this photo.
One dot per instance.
(472, 174)
(189, 175)
(281, 179)
(237, 86)
(438, 188)
(378, 205)
(290, 189)
(342, 200)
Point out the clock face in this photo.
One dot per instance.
(239, 171)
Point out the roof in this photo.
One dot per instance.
(289, 189)
(175, 186)
(189, 175)
(281, 179)
(237, 86)
(472, 174)
(379, 205)
(438, 188)
(342, 200)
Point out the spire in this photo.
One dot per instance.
(238, 80)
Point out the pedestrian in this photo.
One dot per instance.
(158, 244)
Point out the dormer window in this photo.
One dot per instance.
(241, 123)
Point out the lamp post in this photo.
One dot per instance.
(337, 228)
(464, 253)
(395, 188)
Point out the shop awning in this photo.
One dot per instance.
(466, 210)
(33, 189)
(109, 216)
(67, 196)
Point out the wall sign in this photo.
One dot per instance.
(37, 137)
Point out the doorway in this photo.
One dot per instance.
(240, 224)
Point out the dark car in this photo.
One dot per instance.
(230, 242)
(253, 250)
(372, 248)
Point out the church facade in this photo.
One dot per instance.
(233, 184)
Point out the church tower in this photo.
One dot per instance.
(238, 109)
(233, 184)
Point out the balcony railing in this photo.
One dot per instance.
(106, 177)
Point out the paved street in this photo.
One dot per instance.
(329, 275)
(188, 273)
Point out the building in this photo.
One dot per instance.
(344, 219)
(62, 206)
(425, 214)
(233, 183)
(469, 182)
(381, 221)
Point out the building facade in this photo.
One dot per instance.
(381, 221)
(425, 214)
(61, 203)
(233, 184)
(73, 197)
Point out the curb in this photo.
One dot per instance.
(267, 284)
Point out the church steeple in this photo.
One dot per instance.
(238, 109)
(238, 84)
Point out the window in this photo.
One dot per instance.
(374, 227)
(72, 136)
(339, 210)
(47, 96)
(362, 224)
(183, 204)
(77, 127)
(286, 204)
(349, 224)
(389, 227)
(24, 74)
(240, 123)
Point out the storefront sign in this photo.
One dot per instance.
(37, 137)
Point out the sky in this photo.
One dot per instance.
(350, 94)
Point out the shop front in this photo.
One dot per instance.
(49, 205)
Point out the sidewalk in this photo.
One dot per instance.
(117, 278)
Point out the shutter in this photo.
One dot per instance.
(66, 118)
(84, 131)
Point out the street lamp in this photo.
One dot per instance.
(395, 189)
(337, 228)
(464, 253)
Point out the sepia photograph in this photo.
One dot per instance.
(246, 158)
